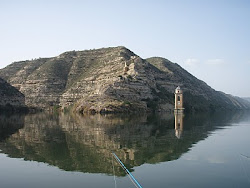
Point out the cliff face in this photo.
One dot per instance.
(111, 80)
(10, 97)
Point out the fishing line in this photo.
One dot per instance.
(129, 177)
(245, 156)
(242, 166)
(114, 171)
(132, 178)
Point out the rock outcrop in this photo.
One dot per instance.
(111, 80)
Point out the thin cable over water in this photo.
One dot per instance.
(114, 171)
(132, 178)
(243, 167)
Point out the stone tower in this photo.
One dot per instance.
(178, 100)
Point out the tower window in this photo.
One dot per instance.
(178, 98)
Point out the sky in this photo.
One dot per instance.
(208, 38)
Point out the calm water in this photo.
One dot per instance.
(201, 150)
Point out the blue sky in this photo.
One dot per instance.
(209, 38)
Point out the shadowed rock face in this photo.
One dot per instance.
(84, 143)
(111, 80)
(10, 98)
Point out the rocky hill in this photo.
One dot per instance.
(10, 98)
(112, 80)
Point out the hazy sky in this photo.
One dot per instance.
(210, 39)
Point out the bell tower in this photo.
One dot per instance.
(178, 100)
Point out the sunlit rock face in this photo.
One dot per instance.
(112, 80)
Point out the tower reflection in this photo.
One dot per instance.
(84, 143)
(178, 123)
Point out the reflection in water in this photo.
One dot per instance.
(84, 143)
(178, 117)
(9, 125)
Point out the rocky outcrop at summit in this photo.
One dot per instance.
(111, 80)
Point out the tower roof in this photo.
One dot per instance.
(178, 90)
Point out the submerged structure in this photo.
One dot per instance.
(178, 124)
(178, 109)
(178, 100)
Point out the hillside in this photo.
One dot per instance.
(197, 94)
(11, 98)
(111, 80)
(247, 98)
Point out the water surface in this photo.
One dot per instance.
(164, 150)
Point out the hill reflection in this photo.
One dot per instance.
(84, 143)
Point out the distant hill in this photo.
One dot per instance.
(247, 98)
(198, 95)
(112, 80)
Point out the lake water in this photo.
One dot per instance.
(164, 150)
